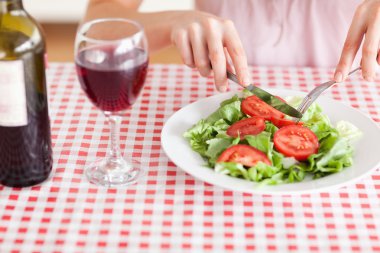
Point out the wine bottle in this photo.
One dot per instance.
(25, 142)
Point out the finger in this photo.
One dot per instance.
(370, 49)
(199, 49)
(236, 51)
(216, 54)
(351, 45)
(181, 40)
(230, 65)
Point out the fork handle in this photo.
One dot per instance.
(353, 71)
(314, 94)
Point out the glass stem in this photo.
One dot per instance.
(114, 154)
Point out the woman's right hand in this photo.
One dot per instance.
(206, 42)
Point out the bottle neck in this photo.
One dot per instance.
(10, 5)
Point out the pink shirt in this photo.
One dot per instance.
(288, 32)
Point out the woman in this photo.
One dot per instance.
(261, 32)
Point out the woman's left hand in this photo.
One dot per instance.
(365, 25)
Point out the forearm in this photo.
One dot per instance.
(157, 25)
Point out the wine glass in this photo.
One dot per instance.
(111, 57)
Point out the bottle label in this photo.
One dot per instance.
(13, 111)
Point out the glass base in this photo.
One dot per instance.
(114, 173)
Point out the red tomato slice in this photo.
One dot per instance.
(254, 106)
(280, 122)
(249, 126)
(296, 141)
(244, 154)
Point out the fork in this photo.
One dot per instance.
(314, 94)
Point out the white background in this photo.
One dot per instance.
(64, 11)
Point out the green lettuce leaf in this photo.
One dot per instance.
(198, 135)
(270, 128)
(348, 131)
(214, 126)
(215, 147)
(232, 169)
(337, 157)
(262, 142)
(229, 110)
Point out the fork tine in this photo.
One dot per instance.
(307, 105)
(313, 95)
(300, 107)
(303, 103)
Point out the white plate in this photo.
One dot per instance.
(366, 156)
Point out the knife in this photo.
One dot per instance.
(268, 98)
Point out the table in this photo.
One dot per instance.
(170, 211)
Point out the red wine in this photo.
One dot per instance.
(25, 144)
(111, 80)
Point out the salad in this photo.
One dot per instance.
(246, 138)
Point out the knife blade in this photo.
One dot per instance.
(268, 98)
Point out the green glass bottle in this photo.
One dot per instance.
(25, 142)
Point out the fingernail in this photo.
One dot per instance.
(338, 77)
(368, 78)
(246, 81)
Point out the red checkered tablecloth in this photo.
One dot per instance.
(169, 210)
